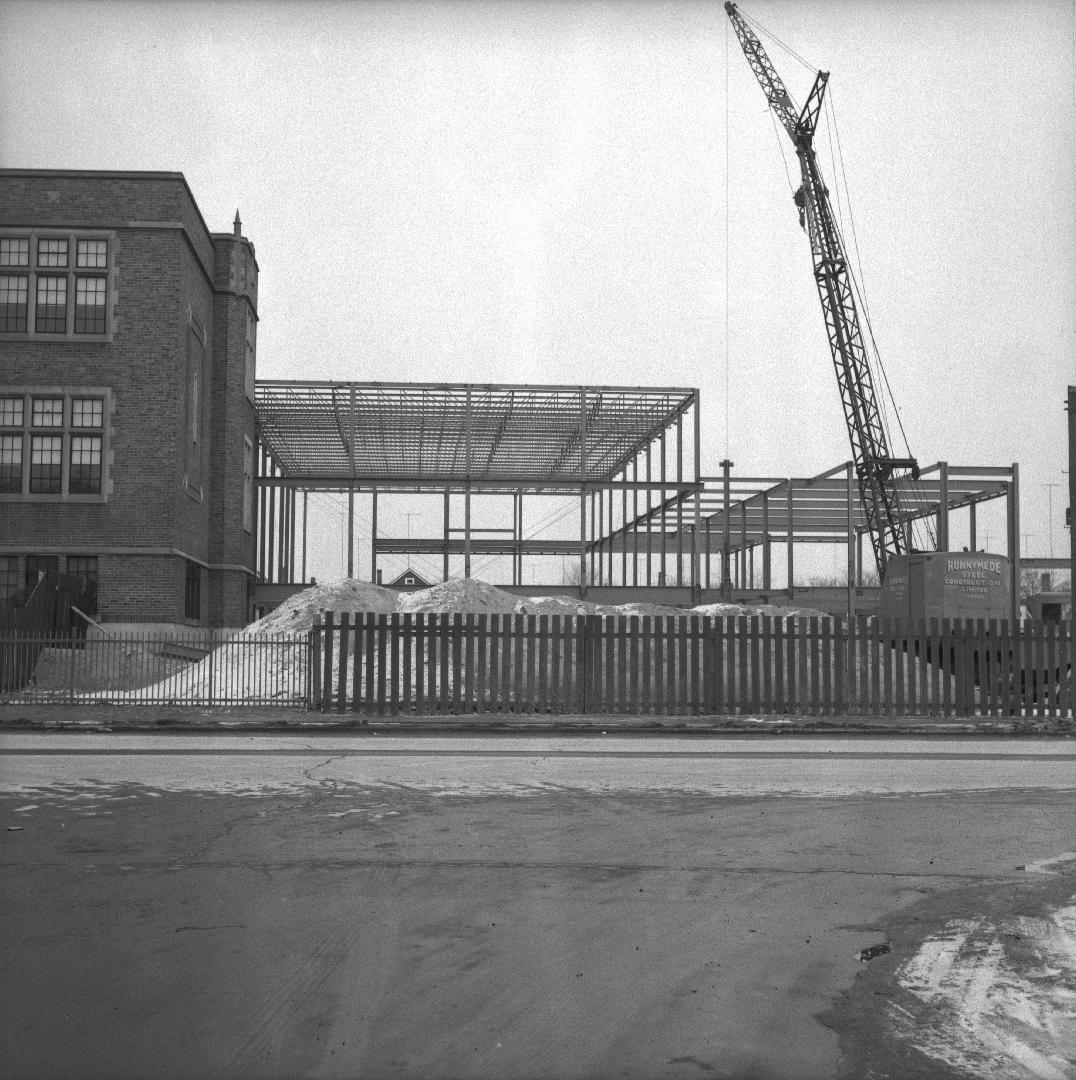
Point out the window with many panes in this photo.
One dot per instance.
(192, 593)
(84, 567)
(37, 566)
(53, 443)
(248, 485)
(55, 284)
(9, 576)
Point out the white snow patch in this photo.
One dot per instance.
(1046, 866)
(278, 672)
(989, 1011)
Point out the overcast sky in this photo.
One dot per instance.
(538, 192)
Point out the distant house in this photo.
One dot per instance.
(409, 579)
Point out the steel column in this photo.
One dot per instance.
(270, 566)
(351, 529)
(447, 524)
(791, 548)
(1013, 516)
(943, 506)
(373, 537)
(851, 552)
(664, 539)
(649, 531)
(726, 570)
(766, 568)
(305, 494)
(679, 499)
(467, 529)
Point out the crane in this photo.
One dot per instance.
(873, 463)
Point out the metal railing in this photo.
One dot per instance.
(194, 669)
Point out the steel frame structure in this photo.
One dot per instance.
(741, 514)
(512, 440)
(647, 516)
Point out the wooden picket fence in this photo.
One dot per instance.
(403, 663)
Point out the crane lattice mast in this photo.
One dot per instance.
(870, 451)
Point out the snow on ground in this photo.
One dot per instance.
(470, 596)
(297, 613)
(234, 673)
(995, 999)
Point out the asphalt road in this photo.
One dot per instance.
(242, 906)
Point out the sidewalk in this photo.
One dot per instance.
(142, 718)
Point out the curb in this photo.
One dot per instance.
(134, 720)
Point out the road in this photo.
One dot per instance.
(539, 906)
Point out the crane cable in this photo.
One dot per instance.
(728, 455)
(776, 40)
(902, 485)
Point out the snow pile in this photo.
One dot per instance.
(460, 594)
(721, 611)
(276, 669)
(470, 596)
(298, 613)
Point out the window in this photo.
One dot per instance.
(13, 293)
(15, 251)
(9, 576)
(48, 412)
(10, 463)
(51, 312)
(192, 597)
(89, 305)
(84, 567)
(52, 252)
(53, 444)
(248, 485)
(409, 580)
(49, 278)
(37, 566)
(85, 465)
(46, 464)
(92, 253)
(248, 373)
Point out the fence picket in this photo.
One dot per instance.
(1050, 668)
(341, 678)
(1041, 676)
(647, 664)
(328, 681)
(316, 670)
(1064, 663)
(382, 666)
(709, 705)
(672, 701)
(360, 664)
(635, 660)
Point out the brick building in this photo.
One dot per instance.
(127, 353)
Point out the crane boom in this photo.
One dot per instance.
(870, 451)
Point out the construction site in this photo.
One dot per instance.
(592, 502)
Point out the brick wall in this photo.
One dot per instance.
(165, 493)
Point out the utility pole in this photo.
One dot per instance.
(1050, 496)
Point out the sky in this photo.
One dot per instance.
(567, 191)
